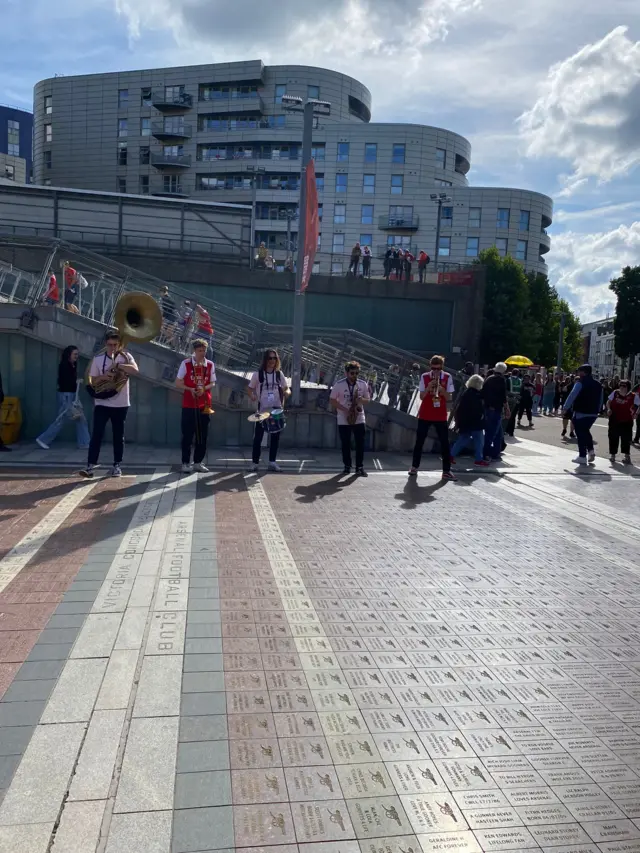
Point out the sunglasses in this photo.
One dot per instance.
(272, 357)
(354, 372)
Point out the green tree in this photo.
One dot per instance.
(505, 328)
(626, 325)
(545, 307)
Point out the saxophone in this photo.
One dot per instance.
(354, 408)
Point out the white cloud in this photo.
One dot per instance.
(589, 112)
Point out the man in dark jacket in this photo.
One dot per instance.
(494, 394)
(470, 421)
(586, 401)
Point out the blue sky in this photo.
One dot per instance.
(547, 92)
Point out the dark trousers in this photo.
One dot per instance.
(274, 443)
(493, 433)
(366, 267)
(407, 270)
(442, 430)
(583, 434)
(101, 416)
(387, 267)
(422, 268)
(637, 435)
(358, 432)
(353, 265)
(620, 433)
(195, 430)
(525, 405)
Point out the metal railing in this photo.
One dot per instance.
(285, 156)
(388, 221)
(180, 99)
(171, 128)
(228, 125)
(162, 159)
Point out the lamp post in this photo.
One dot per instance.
(440, 199)
(255, 171)
(309, 108)
(561, 340)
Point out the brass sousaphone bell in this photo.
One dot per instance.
(137, 317)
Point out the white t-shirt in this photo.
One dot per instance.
(431, 375)
(182, 370)
(270, 396)
(102, 364)
(343, 392)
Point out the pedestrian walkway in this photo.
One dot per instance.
(321, 664)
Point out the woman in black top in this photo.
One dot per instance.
(67, 407)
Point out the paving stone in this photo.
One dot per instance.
(21, 713)
(200, 704)
(27, 838)
(148, 769)
(206, 629)
(202, 663)
(202, 789)
(49, 651)
(159, 687)
(203, 646)
(45, 670)
(206, 829)
(64, 622)
(142, 832)
(97, 636)
(94, 770)
(202, 682)
(203, 755)
(8, 766)
(118, 680)
(14, 739)
(75, 694)
(79, 828)
(58, 635)
(209, 727)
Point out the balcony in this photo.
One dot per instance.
(224, 125)
(170, 130)
(236, 103)
(545, 242)
(180, 161)
(401, 223)
(174, 101)
(174, 191)
(214, 156)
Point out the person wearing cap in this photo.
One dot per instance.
(494, 394)
(586, 401)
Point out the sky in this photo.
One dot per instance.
(547, 91)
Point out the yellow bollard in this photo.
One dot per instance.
(10, 420)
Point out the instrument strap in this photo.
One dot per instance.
(262, 376)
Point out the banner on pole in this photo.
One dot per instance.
(312, 224)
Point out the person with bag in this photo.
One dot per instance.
(470, 421)
(269, 388)
(196, 377)
(622, 408)
(423, 260)
(69, 406)
(110, 404)
(347, 399)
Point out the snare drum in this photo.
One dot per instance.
(276, 421)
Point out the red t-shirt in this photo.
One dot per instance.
(622, 408)
(53, 292)
(434, 408)
(69, 276)
(194, 375)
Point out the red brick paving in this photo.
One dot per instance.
(30, 599)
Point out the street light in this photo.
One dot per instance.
(255, 171)
(440, 199)
(309, 108)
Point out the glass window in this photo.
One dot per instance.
(319, 182)
(339, 213)
(397, 154)
(503, 217)
(10, 171)
(472, 246)
(145, 127)
(122, 153)
(317, 152)
(318, 244)
(47, 182)
(370, 152)
(144, 155)
(441, 158)
(397, 182)
(403, 241)
(447, 215)
(281, 89)
(443, 183)
(121, 184)
(123, 127)
(368, 183)
(338, 243)
(48, 104)
(336, 268)
(171, 184)
(475, 215)
(320, 211)
(13, 138)
(144, 184)
(521, 250)
(343, 152)
(366, 214)
(47, 159)
(444, 247)
(341, 183)
(313, 92)
(501, 246)
(48, 133)
(123, 98)
(400, 215)
(366, 240)
(173, 94)
(524, 220)
(145, 97)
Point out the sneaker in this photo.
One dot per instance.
(273, 466)
(563, 433)
(447, 475)
(591, 456)
(254, 467)
(44, 446)
(87, 472)
(346, 469)
(626, 459)
(186, 468)
(531, 426)
(612, 458)
(519, 423)
(572, 435)
(198, 466)
(482, 463)
(580, 460)
(413, 472)
(360, 472)
(116, 471)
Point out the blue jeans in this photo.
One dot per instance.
(493, 433)
(475, 438)
(65, 400)
(582, 427)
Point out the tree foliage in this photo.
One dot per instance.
(626, 325)
(522, 316)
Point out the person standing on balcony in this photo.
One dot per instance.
(354, 262)
(436, 390)
(52, 296)
(388, 262)
(423, 260)
(366, 262)
(408, 260)
(68, 404)
(397, 263)
(71, 287)
(196, 377)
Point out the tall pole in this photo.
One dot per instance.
(298, 298)
(561, 341)
(438, 235)
(254, 197)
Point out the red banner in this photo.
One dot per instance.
(464, 277)
(312, 224)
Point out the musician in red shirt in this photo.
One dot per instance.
(436, 390)
(196, 377)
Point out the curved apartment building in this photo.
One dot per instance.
(221, 132)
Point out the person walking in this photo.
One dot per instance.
(52, 296)
(69, 407)
(423, 260)
(113, 406)
(514, 387)
(557, 393)
(354, 261)
(636, 438)
(470, 421)
(366, 262)
(586, 401)
(567, 414)
(494, 394)
(622, 408)
(268, 387)
(548, 393)
(347, 398)
(537, 394)
(436, 390)
(196, 377)
(525, 404)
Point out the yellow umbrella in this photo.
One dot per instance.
(519, 361)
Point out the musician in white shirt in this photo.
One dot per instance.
(347, 398)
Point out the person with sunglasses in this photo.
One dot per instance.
(347, 398)
(268, 387)
(436, 390)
